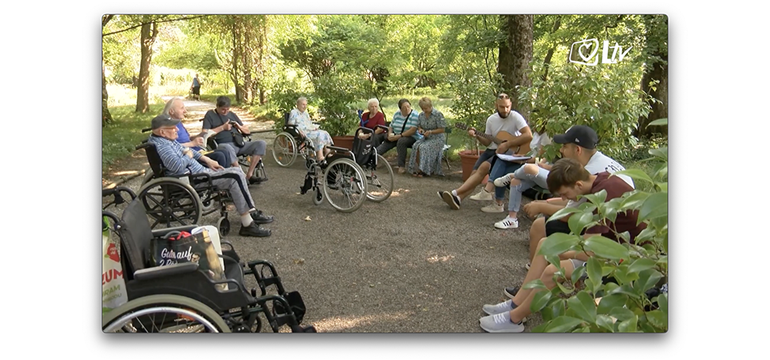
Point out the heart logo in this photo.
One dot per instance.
(587, 45)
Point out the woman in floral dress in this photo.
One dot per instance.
(431, 125)
(319, 138)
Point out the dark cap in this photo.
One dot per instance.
(163, 120)
(580, 135)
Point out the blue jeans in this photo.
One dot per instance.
(499, 169)
(527, 181)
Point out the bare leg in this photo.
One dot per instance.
(254, 161)
(546, 276)
(474, 180)
(536, 232)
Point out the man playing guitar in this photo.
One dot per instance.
(506, 131)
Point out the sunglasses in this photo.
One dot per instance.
(503, 96)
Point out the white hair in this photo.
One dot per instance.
(373, 101)
(169, 103)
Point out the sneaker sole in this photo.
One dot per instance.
(447, 197)
(492, 211)
(484, 199)
(506, 227)
(500, 331)
(509, 295)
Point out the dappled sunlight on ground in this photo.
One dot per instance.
(336, 324)
(435, 258)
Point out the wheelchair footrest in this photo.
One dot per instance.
(296, 305)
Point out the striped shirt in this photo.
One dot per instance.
(173, 158)
(398, 123)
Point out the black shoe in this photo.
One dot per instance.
(254, 230)
(256, 180)
(260, 218)
(511, 291)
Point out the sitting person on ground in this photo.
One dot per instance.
(431, 125)
(503, 123)
(579, 143)
(218, 119)
(176, 110)
(373, 122)
(402, 133)
(320, 138)
(569, 179)
(179, 160)
(533, 172)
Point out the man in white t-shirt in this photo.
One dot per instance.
(503, 120)
(579, 143)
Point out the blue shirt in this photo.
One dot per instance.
(173, 158)
(184, 136)
(398, 123)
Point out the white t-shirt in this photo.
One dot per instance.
(538, 141)
(601, 163)
(511, 124)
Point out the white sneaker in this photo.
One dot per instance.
(504, 180)
(507, 223)
(498, 308)
(482, 195)
(493, 208)
(500, 323)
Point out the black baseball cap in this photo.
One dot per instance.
(163, 120)
(580, 135)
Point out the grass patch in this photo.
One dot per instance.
(120, 138)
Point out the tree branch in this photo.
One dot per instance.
(154, 21)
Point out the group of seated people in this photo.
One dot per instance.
(182, 154)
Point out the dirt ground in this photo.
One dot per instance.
(408, 264)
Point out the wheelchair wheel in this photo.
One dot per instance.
(170, 202)
(163, 314)
(148, 175)
(379, 178)
(318, 197)
(344, 185)
(284, 149)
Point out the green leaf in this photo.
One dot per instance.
(662, 300)
(577, 274)
(625, 289)
(641, 264)
(658, 319)
(558, 243)
(622, 314)
(562, 324)
(611, 302)
(605, 322)
(579, 221)
(597, 198)
(540, 328)
(647, 279)
(655, 206)
(634, 201)
(635, 174)
(606, 248)
(582, 306)
(661, 121)
(563, 212)
(534, 284)
(594, 270)
(582, 330)
(628, 325)
(540, 301)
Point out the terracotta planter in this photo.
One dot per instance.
(344, 141)
(468, 158)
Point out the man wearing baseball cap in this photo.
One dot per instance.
(180, 160)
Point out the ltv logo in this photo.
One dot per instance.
(586, 52)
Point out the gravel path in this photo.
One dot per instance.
(408, 264)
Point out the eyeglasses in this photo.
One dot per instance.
(503, 96)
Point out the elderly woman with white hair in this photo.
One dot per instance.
(430, 124)
(373, 121)
(318, 137)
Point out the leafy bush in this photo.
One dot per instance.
(619, 292)
(475, 99)
(336, 94)
(607, 100)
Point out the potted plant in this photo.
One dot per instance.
(335, 97)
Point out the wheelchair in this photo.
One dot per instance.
(180, 298)
(244, 161)
(180, 201)
(289, 144)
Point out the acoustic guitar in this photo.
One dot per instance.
(502, 136)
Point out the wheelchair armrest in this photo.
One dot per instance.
(163, 271)
(159, 233)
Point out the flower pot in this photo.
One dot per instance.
(468, 158)
(345, 141)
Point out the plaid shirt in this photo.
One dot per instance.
(173, 157)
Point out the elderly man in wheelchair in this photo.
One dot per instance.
(179, 161)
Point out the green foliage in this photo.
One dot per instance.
(620, 304)
(120, 138)
(335, 94)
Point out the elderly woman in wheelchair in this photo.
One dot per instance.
(182, 298)
(178, 160)
(307, 129)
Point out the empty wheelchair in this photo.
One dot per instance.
(180, 201)
(181, 298)
(338, 179)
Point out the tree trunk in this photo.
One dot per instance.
(656, 36)
(549, 55)
(149, 33)
(106, 116)
(515, 56)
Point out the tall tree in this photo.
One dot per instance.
(515, 54)
(106, 116)
(149, 33)
(655, 79)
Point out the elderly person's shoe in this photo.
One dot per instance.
(254, 230)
